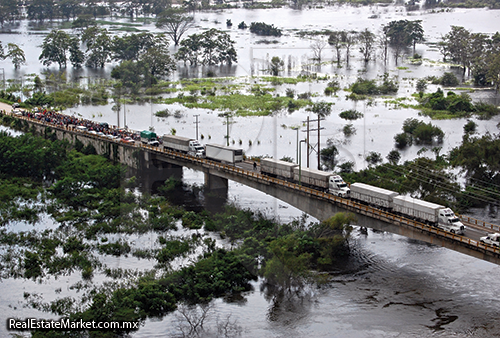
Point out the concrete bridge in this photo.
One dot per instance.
(318, 204)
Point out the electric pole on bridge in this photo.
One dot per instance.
(310, 148)
(197, 122)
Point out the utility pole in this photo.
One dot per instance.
(196, 116)
(308, 145)
(227, 131)
(307, 139)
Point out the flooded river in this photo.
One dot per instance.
(391, 286)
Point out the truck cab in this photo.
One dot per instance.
(338, 186)
(450, 222)
(196, 149)
(491, 239)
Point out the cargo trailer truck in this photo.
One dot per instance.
(184, 145)
(434, 214)
(224, 154)
(150, 138)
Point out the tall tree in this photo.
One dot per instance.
(175, 22)
(211, 47)
(70, 8)
(457, 45)
(335, 40)
(98, 43)
(367, 42)
(415, 32)
(317, 47)
(76, 56)
(15, 53)
(348, 39)
(493, 73)
(157, 59)
(9, 11)
(131, 47)
(399, 38)
(383, 42)
(41, 10)
(54, 48)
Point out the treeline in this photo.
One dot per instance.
(144, 58)
(476, 53)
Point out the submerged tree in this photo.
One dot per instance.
(211, 47)
(15, 53)
(98, 44)
(175, 22)
(367, 44)
(402, 34)
(276, 66)
(54, 48)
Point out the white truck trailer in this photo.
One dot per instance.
(435, 214)
(312, 178)
(372, 195)
(321, 180)
(277, 168)
(183, 144)
(224, 154)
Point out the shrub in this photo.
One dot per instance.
(261, 28)
(449, 80)
(373, 158)
(403, 140)
(351, 114)
(470, 127)
(349, 130)
(393, 157)
(421, 85)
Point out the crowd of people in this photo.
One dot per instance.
(58, 119)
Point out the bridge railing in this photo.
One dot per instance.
(484, 224)
(347, 203)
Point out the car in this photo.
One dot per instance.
(16, 105)
(491, 239)
(128, 140)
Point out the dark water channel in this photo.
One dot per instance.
(390, 286)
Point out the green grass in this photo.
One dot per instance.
(443, 114)
(282, 80)
(240, 104)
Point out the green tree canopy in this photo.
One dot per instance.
(175, 22)
(54, 48)
(211, 47)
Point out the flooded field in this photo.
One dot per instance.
(391, 286)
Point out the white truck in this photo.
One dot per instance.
(277, 168)
(321, 180)
(184, 145)
(491, 239)
(371, 195)
(224, 154)
(338, 186)
(434, 214)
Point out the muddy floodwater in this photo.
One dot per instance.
(391, 286)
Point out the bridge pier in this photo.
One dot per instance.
(216, 183)
(152, 177)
